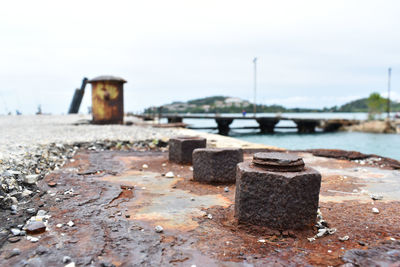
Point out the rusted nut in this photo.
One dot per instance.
(181, 148)
(216, 165)
(274, 190)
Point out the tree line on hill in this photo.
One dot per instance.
(375, 104)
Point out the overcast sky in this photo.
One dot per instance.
(310, 53)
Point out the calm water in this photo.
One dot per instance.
(387, 145)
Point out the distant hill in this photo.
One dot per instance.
(225, 104)
(361, 105)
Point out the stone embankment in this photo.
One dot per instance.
(375, 126)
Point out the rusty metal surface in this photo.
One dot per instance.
(107, 100)
(119, 197)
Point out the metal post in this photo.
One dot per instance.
(255, 86)
(388, 100)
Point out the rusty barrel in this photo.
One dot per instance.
(108, 100)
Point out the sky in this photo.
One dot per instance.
(310, 53)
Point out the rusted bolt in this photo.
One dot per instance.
(181, 148)
(216, 165)
(278, 191)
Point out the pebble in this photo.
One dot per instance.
(14, 207)
(41, 213)
(191, 168)
(377, 197)
(66, 259)
(344, 238)
(169, 175)
(59, 225)
(145, 166)
(15, 231)
(31, 179)
(32, 239)
(159, 229)
(70, 223)
(375, 210)
(72, 264)
(14, 239)
(192, 198)
(35, 227)
(14, 252)
(321, 232)
(164, 164)
(209, 216)
(226, 189)
(31, 210)
(52, 184)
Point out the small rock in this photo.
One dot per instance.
(192, 198)
(321, 232)
(159, 229)
(14, 252)
(15, 231)
(41, 213)
(375, 210)
(191, 168)
(52, 184)
(36, 227)
(14, 239)
(226, 189)
(66, 259)
(31, 210)
(57, 199)
(209, 216)
(31, 179)
(70, 223)
(164, 164)
(72, 264)
(377, 197)
(145, 166)
(344, 238)
(14, 207)
(127, 216)
(59, 225)
(361, 243)
(32, 239)
(169, 175)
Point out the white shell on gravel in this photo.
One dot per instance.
(169, 175)
(159, 229)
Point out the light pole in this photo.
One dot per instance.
(388, 100)
(255, 86)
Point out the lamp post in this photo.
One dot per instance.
(388, 100)
(255, 86)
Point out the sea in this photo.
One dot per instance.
(386, 145)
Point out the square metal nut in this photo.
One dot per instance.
(181, 148)
(216, 165)
(279, 200)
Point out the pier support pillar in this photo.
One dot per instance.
(306, 126)
(267, 125)
(223, 125)
(174, 119)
